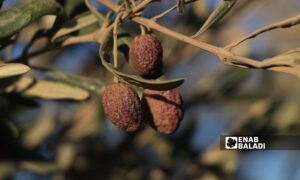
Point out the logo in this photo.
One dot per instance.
(231, 142)
(242, 142)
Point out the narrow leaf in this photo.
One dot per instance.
(289, 59)
(221, 10)
(106, 56)
(288, 63)
(71, 6)
(89, 84)
(12, 69)
(80, 22)
(28, 86)
(15, 19)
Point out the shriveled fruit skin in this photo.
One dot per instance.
(122, 106)
(165, 109)
(146, 55)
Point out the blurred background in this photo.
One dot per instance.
(47, 139)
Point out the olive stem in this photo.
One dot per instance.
(143, 30)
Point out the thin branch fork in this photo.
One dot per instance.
(225, 56)
(282, 24)
(155, 18)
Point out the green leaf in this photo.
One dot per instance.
(28, 86)
(106, 56)
(71, 6)
(89, 84)
(15, 19)
(124, 38)
(221, 10)
(80, 22)
(12, 69)
(88, 29)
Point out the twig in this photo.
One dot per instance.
(282, 24)
(115, 33)
(155, 18)
(133, 3)
(143, 30)
(141, 6)
(127, 6)
(115, 47)
(207, 47)
(93, 10)
(225, 56)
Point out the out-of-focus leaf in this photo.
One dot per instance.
(80, 22)
(87, 23)
(88, 29)
(289, 111)
(65, 156)
(86, 83)
(106, 56)
(28, 86)
(71, 6)
(180, 6)
(200, 9)
(39, 131)
(1, 2)
(12, 69)
(5, 169)
(15, 19)
(39, 167)
(221, 10)
(85, 122)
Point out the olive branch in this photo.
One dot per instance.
(225, 54)
(60, 36)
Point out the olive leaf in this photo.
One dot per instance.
(79, 22)
(87, 20)
(221, 10)
(87, 83)
(12, 69)
(289, 60)
(15, 19)
(71, 6)
(31, 87)
(105, 53)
